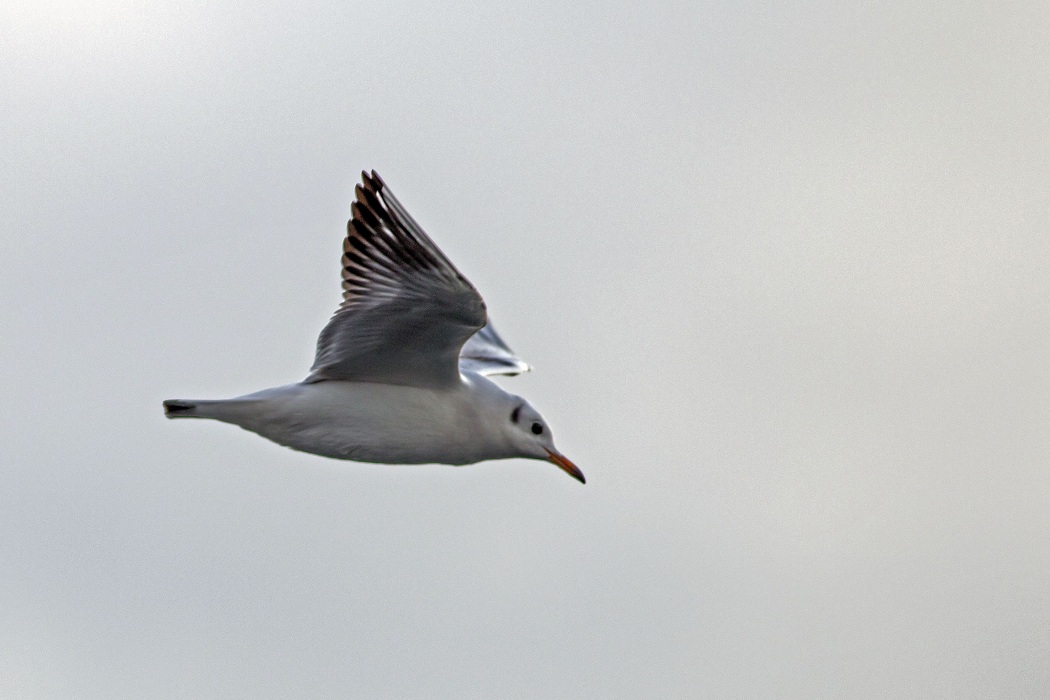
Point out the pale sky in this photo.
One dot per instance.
(783, 272)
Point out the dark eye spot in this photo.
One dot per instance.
(537, 428)
(515, 413)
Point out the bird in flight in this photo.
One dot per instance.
(401, 371)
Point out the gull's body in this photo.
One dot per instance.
(352, 420)
(399, 376)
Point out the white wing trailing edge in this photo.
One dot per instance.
(486, 353)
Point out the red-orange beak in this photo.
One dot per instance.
(565, 465)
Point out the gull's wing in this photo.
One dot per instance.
(486, 353)
(406, 311)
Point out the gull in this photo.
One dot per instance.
(401, 371)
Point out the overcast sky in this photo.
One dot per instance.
(782, 269)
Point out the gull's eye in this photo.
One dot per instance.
(537, 428)
(514, 414)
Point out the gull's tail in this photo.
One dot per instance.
(228, 410)
(180, 408)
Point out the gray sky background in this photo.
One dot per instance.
(782, 270)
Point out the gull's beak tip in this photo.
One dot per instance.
(566, 465)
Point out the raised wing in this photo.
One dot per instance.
(487, 354)
(406, 311)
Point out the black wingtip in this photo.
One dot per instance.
(372, 182)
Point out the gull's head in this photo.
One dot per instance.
(531, 437)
